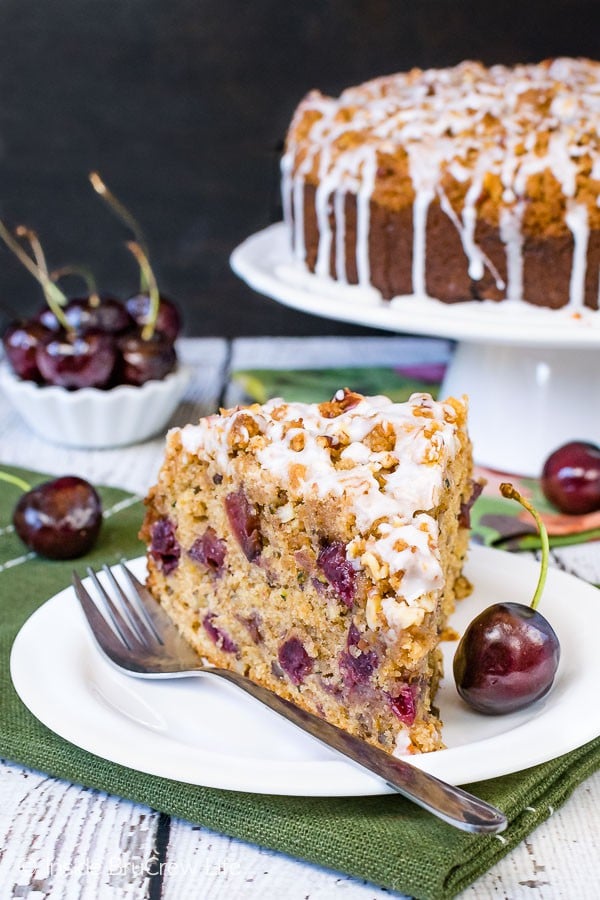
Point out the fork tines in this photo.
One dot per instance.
(117, 609)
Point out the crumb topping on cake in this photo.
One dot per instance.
(518, 147)
(387, 460)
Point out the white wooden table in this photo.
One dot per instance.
(59, 841)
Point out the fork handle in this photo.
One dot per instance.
(449, 803)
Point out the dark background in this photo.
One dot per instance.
(182, 105)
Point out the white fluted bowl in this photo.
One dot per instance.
(89, 418)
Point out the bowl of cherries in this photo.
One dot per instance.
(93, 371)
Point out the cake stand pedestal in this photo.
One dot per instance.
(532, 375)
(525, 401)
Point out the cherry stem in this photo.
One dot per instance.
(29, 234)
(54, 296)
(85, 274)
(508, 491)
(148, 275)
(125, 216)
(13, 479)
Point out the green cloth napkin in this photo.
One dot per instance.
(385, 840)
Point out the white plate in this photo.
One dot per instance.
(201, 731)
(266, 263)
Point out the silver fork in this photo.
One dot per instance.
(142, 641)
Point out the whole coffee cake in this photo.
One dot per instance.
(319, 549)
(466, 183)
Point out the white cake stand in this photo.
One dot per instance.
(532, 375)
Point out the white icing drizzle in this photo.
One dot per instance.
(388, 491)
(420, 209)
(477, 259)
(577, 220)
(464, 123)
(363, 215)
(510, 232)
(323, 208)
(298, 207)
(469, 220)
(294, 175)
(286, 189)
(339, 201)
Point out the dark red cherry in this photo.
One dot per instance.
(20, 341)
(508, 656)
(60, 519)
(356, 666)
(245, 523)
(338, 570)
(85, 314)
(108, 315)
(571, 478)
(404, 703)
(164, 546)
(168, 319)
(209, 550)
(506, 659)
(46, 317)
(143, 359)
(294, 660)
(218, 636)
(77, 361)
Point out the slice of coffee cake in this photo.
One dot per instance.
(318, 549)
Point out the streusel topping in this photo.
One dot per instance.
(386, 460)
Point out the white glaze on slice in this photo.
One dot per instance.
(391, 493)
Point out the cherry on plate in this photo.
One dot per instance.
(508, 656)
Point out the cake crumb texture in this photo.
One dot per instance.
(318, 549)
